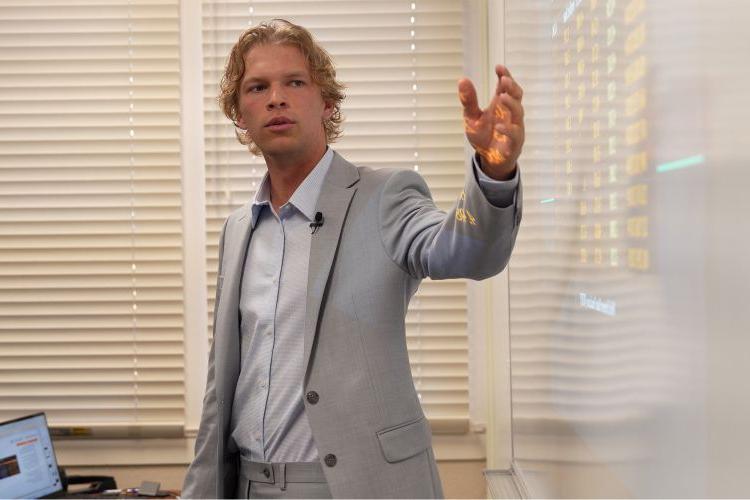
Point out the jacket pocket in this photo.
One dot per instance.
(405, 440)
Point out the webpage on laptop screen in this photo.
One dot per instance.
(28, 468)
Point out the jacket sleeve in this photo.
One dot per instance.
(474, 240)
(201, 480)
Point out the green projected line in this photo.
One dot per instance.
(682, 163)
(547, 200)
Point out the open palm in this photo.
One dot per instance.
(496, 132)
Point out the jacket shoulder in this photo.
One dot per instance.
(377, 179)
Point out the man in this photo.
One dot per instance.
(309, 391)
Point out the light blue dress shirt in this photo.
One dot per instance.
(269, 423)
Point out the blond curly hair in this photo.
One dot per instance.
(322, 71)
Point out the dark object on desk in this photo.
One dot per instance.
(96, 484)
(151, 489)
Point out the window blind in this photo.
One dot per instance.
(90, 213)
(400, 61)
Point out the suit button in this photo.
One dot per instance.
(266, 472)
(330, 460)
(312, 398)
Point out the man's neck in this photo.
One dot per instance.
(287, 173)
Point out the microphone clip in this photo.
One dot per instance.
(317, 223)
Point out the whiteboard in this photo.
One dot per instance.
(630, 285)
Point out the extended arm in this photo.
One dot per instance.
(475, 239)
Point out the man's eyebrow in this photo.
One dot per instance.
(293, 74)
(252, 80)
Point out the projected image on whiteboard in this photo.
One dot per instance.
(603, 286)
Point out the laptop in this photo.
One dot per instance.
(28, 467)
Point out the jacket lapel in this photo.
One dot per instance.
(334, 200)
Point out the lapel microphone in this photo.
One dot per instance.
(318, 222)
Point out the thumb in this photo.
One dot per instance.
(468, 96)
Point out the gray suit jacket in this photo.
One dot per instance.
(381, 235)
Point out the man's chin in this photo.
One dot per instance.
(278, 146)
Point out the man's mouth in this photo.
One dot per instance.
(279, 123)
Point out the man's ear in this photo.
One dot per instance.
(240, 123)
(328, 109)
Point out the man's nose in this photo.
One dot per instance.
(276, 98)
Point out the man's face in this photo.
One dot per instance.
(279, 105)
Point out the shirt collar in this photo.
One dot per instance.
(304, 198)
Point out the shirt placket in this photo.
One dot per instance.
(270, 340)
(262, 345)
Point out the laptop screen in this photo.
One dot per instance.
(28, 468)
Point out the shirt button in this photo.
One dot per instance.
(262, 385)
(312, 397)
(330, 460)
(275, 279)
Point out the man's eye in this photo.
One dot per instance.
(297, 83)
(255, 88)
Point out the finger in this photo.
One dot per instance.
(509, 85)
(468, 96)
(515, 107)
(501, 71)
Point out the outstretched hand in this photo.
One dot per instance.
(497, 132)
